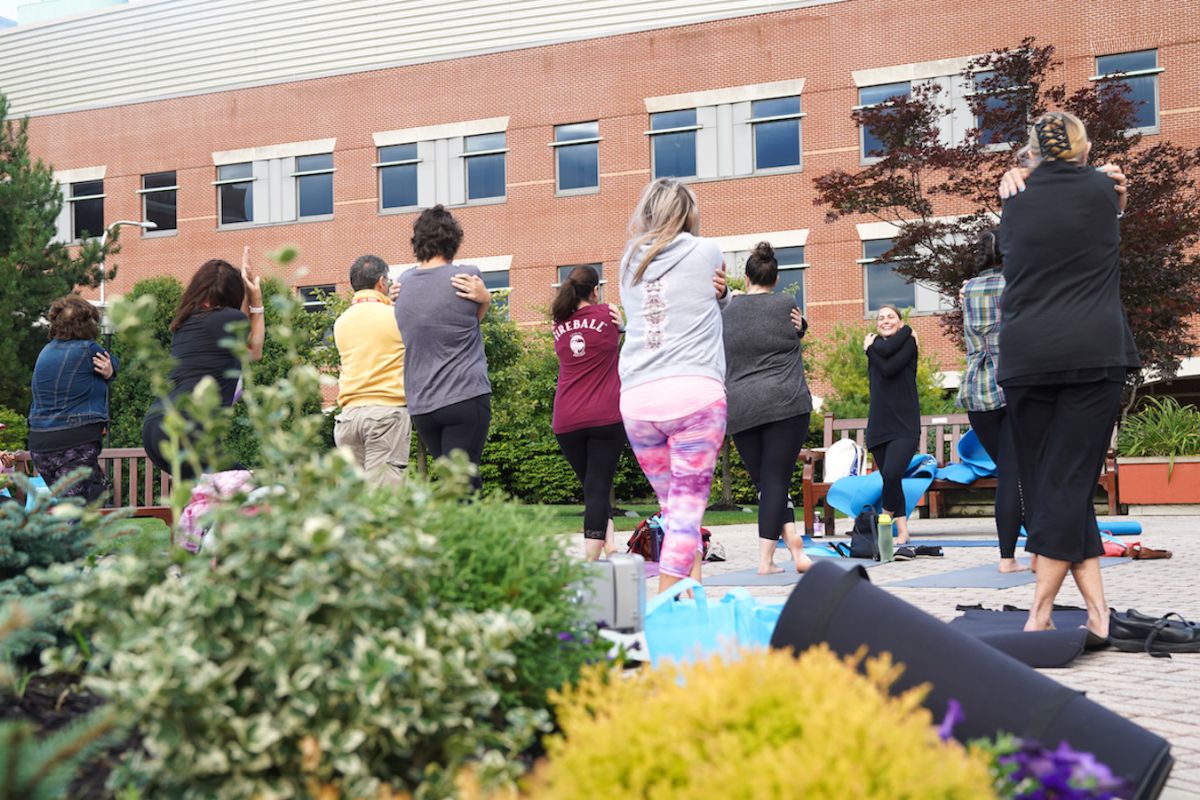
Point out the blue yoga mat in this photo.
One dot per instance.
(1117, 527)
(850, 495)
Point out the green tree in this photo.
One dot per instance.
(34, 269)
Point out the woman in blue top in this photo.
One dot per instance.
(69, 415)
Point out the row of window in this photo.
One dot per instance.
(883, 285)
(710, 141)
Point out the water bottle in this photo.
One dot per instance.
(886, 549)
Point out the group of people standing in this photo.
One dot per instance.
(1048, 351)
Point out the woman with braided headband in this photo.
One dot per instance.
(1065, 352)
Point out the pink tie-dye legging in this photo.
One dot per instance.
(678, 457)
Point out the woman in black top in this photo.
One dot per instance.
(894, 421)
(1067, 350)
(218, 296)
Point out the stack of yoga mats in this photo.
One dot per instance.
(843, 609)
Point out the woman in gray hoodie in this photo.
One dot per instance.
(672, 365)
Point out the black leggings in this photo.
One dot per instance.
(994, 431)
(1061, 433)
(153, 439)
(769, 452)
(459, 426)
(593, 453)
(892, 459)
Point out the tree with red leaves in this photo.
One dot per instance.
(941, 196)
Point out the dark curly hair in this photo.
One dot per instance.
(436, 233)
(72, 317)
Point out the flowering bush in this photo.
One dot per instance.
(762, 725)
(1027, 770)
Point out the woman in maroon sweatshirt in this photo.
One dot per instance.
(587, 403)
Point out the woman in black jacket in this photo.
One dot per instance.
(1067, 350)
(894, 421)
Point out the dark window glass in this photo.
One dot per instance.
(775, 107)
(158, 180)
(496, 280)
(579, 166)
(576, 130)
(398, 186)
(1142, 88)
(312, 163)
(87, 215)
(235, 200)
(485, 173)
(776, 144)
(565, 271)
(989, 134)
(791, 275)
(674, 153)
(884, 285)
(398, 152)
(159, 206)
(315, 194)
(485, 141)
(313, 297)
(874, 95)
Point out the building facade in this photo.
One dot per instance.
(329, 125)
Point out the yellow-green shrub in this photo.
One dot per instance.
(763, 725)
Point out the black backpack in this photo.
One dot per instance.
(864, 539)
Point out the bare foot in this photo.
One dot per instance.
(1035, 625)
(803, 563)
(770, 569)
(1012, 565)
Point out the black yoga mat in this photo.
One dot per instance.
(1003, 629)
(997, 693)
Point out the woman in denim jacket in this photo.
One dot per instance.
(69, 414)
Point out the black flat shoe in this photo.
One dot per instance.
(1157, 637)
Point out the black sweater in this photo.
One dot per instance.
(892, 369)
(1061, 305)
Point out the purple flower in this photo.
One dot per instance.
(954, 715)
(566, 636)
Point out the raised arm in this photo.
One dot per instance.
(252, 307)
(892, 344)
(895, 363)
(471, 287)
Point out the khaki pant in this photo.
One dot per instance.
(380, 437)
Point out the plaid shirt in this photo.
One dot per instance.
(981, 330)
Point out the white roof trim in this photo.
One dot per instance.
(309, 148)
(427, 133)
(485, 264)
(911, 72)
(746, 241)
(733, 94)
(877, 230)
(65, 176)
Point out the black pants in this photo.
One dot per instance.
(994, 429)
(593, 453)
(153, 439)
(1061, 433)
(892, 459)
(459, 426)
(769, 452)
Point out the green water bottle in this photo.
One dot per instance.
(886, 549)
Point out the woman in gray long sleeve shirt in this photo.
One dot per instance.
(769, 401)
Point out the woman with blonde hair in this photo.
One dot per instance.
(1067, 350)
(672, 364)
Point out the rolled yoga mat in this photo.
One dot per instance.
(997, 693)
(1005, 630)
(1117, 527)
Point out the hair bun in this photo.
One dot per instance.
(764, 252)
(1052, 137)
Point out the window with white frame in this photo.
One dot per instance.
(1139, 71)
(314, 185)
(397, 167)
(275, 183)
(776, 126)
(485, 154)
(994, 95)
(725, 133)
(86, 199)
(159, 193)
(314, 298)
(596, 267)
(789, 253)
(451, 164)
(879, 96)
(884, 286)
(577, 157)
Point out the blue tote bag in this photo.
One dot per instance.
(686, 630)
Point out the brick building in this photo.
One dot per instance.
(325, 125)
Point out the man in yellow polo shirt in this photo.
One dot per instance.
(374, 421)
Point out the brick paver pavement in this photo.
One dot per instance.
(1159, 694)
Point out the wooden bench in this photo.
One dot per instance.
(939, 437)
(135, 482)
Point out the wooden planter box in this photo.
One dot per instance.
(1144, 481)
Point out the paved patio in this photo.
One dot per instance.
(1157, 693)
